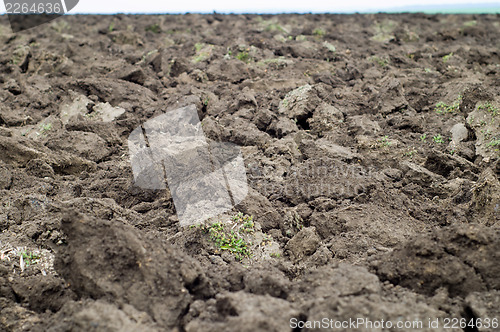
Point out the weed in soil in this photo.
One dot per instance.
(443, 108)
(447, 57)
(490, 108)
(438, 138)
(229, 239)
(155, 28)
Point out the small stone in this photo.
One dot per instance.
(459, 133)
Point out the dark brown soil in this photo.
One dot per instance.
(368, 199)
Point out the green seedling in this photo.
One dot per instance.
(272, 27)
(198, 46)
(486, 133)
(423, 137)
(29, 258)
(470, 23)
(385, 141)
(247, 227)
(298, 222)
(384, 31)
(471, 120)
(447, 57)
(243, 56)
(154, 28)
(438, 138)
(246, 221)
(494, 142)
(145, 56)
(380, 61)
(230, 240)
(319, 32)
(489, 107)
(202, 52)
(410, 153)
(44, 129)
(60, 26)
(19, 54)
(442, 108)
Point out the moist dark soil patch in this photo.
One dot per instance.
(371, 147)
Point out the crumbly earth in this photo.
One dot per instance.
(368, 200)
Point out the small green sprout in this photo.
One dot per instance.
(319, 32)
(385, 141)
(438, 138)
(489, 107)
(273, 27)
(30, 258)
(237, 217)
(494, 142)
(447, 57)
(487, 133)
(423, 137)
(229, 239)
(155, 28)
(470, 23)
(442, 108)
(298, 222)
(198, 46)
(410, 153)
(243, 56)
(45, 128)
(471, 120)
(380, 61)
(202, 52)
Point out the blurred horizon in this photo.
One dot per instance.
(285, 7)
(477, 8)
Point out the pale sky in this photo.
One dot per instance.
(248, 6)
